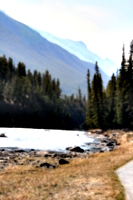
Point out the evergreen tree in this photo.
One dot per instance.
(79, 95)
(1, 91)
(123, 63)
(21, 69)
(89, 103)
(46, 81)
(3, 68)
(128, 100)
(30, 76)
(39, 79)
(96, 100)
(7, 92)
(121, 89)
(111, 108)
(58, 90)
(11, 69)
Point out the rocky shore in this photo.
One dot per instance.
(48, 159)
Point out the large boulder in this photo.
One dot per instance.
(76, 149)
(47, 165)
(2, 135)
(63, 161)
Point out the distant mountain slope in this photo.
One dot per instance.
(26, 45)
(79, 49)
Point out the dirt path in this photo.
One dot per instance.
(125, 174)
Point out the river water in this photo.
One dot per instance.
(52, 140)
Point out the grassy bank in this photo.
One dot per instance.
(91, 178)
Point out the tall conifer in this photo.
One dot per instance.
(110, 95)
(95, 105)
(121, 90)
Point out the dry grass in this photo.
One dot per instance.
(83, 179)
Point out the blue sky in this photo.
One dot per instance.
(103, 25)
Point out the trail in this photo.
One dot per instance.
(125, 174)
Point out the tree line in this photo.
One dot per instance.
(112, 107)
(34, 100)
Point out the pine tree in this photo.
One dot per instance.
(39, 79)
(121, 91)
(58, 90)
(111, 108)
(96, 97)
(46, 81)
(21, 69)
(11, 69)
(128, 99)
(79, 95)
(30, 76)
(3, 68)
(89, 103)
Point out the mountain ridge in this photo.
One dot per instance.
(24, 44)
(80, 49)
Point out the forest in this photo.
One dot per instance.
(34, 100)
(112, 107)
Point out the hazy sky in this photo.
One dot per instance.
(103, 25)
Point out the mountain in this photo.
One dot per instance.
(79, 49)
(24, 44)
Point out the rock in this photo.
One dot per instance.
(48, 155)
(47, 165)
(88, 143)
(2, 135)
(65, 155)
(110, 144)
(87, 151)
(63, 161)
(2, 149)
(105, 140)
(68, 148)
(111, 148)
(32, 149)
(35, 163)
(77, 149)
(21, 163)
(106, 135)
(54, 155)
(114, 135)
(102, 151)
(62, 155)
(19, 151)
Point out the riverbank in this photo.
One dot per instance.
(14, 156)
(84, 177)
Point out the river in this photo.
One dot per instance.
(41, 139)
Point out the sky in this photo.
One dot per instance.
(103, 25)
